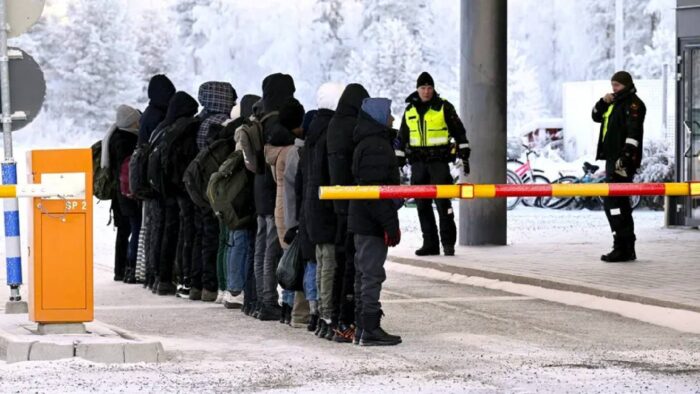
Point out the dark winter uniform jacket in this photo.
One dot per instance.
(122, 145)
(436, 153)
(340, 143)
(625, 125)
(374, 163)
(160, 91)
(320, 216)
(277, 88)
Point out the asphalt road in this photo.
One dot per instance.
(456, 339)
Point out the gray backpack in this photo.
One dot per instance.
(230, 193)
(253, 143)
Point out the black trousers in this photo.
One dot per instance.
(370, 257)
(168, 244)
(344, 280)
(618, 210)
(205, 248)
(185, 240)
(121, 244)
(434, 173)
(155, 237)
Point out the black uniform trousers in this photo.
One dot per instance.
(619, 209)
(434, 173)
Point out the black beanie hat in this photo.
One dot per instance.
(291, 114)
(425, 79)
(623, 77)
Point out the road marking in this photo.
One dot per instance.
(198, 305)
(455, 299)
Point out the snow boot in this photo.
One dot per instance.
(428, 250)
(449, 250)
(322, 329)
(331, 331)
(283, 314)
(166, 289)
(623, 251)
(195, 294)
(313, 323)
(209, 296)
(374, 335)
(270, 313)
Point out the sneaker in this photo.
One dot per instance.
(448, 250)
(313, 323)
(118, 278)
(195, 294)
(183, 292)
(378, 337)
(270, 313)
(231, 301)
(344, 333)
(209, 296)
(428, 251)
(219, 297)
(166, 289)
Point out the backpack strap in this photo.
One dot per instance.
(269, 115)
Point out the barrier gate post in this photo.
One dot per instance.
(61, 253)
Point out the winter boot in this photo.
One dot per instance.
(374, 335)
(283, 314)
(623, 251)
(449, 250)
(166, 289)
(313, 323)
(156, 283)
(209, 296)
(256, 310)
(331, 331)
(322, 330)
(195, 294)
(270, 313)
(428, 250)
(288, 315)
(127, 273)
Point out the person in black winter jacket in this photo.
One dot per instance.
(277, 90)
(375, 223)
(179, 119)
(160, 91)
(126, 211)
(620, 143)
(340, 149)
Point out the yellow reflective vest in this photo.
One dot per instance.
(429, 131)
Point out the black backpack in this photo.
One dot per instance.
(138, 172)
(167, 146)
(104, 186)
(200, 169)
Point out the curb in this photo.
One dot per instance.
(544, 283)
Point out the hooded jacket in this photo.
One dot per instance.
(320, 218)
(340, 142)
(217, 99)
(625, 125)
(277, 88)
(217, 132)
(160, 91)
(374, 163)
(121, 145)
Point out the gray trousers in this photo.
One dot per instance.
(325, 276)
(370, 256)
(267, 255)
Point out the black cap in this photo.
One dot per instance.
(623, 77)
(425, 79)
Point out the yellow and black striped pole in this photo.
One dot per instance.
(470, 191)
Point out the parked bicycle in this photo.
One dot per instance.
(591, 174)
(527, 175)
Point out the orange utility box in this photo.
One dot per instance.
(60, 247)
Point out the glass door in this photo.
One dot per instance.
(691, 127)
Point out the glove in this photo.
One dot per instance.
(464, 153)
(625, 164)
(465, 167)
(392, 238)
(291, 234)
(400, 157)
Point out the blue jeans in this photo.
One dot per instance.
(288, 297)
(310, 288)
(237, 260)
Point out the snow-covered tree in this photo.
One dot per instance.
(328, 41)
(153, 43)
(525, 100)
(97, 69)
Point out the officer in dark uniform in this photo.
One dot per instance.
(431, 133)
(621, 117)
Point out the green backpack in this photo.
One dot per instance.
(230, 193)
(104, 186)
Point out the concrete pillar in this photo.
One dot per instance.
(483, 67)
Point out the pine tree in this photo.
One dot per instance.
(525, 100)
(153, 42)
(331, 50)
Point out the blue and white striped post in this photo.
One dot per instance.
(9, 175)
(12, 241)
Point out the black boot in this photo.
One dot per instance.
(127, 273)
(428, 250)
(374, 335)
(449, 250)
(322, 330)
(166, 288)
(270, 313)
(331, 330)
(313, 323)
(623, 251)
(283, 314)
(288, 315)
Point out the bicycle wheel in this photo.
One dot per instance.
(535, 201)
(560, 202)
(513, 179)
(635, 201)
